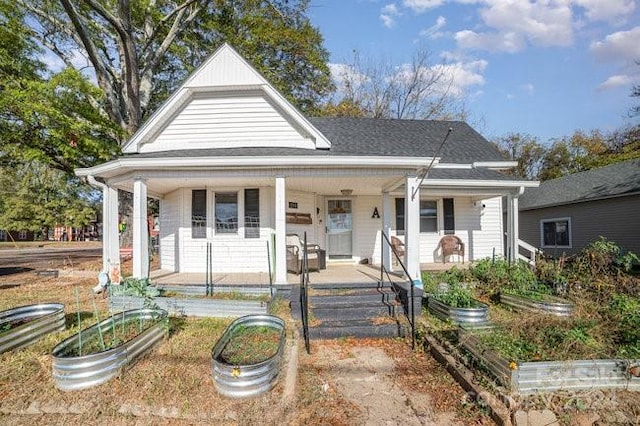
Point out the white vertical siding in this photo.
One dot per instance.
(170, 213)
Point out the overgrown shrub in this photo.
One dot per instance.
(495, 276)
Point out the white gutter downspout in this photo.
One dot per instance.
(110, 239)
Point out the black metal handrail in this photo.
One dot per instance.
(383, 271)
(304, 297)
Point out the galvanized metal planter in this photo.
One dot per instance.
(82, 372)
(241, 381)
(35, 321)
(476, 315)
(550, 304)
(544, 376)
(189, 304)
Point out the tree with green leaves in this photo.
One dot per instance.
(50, 117)
(140, 51)
(526, 150)
(35, 197)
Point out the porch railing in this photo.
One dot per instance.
(531, 253)
(304, 295)
(384, 272)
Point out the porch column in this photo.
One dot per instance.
(140, 229)
(386, 228)
(110, 238)
(412, 229)
(513, 236)
(281, 231)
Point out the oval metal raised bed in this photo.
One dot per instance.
(476, 315)
(551, 304)
(241, 381)
(26, 324)
(85, 371)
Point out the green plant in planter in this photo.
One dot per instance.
(458, 296)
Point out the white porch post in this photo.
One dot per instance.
(140, 228)
(110, 238)
(281, 231)
(412, 228)
(386, 228)
(513, 225)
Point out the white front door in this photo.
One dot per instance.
(339, 229)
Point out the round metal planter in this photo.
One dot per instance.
(475, 315)
(34, 322)
(85, 371)
(551, 304)
(241, 381)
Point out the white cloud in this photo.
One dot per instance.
(510, 42)
(528, 88)
(433, 31)
(387, 20)
(343, 74)
(420, 6)
(616, 81)
(607, 10)
(619, 46)
(388, 14)
(465, 75)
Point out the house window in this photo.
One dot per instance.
(226, 212)
(399, 216)
(449, 216)
(3, 237)
(22, 235)
(428, 216)
(556, 232)
(252, 213)
(199, 213)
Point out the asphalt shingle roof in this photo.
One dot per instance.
(613, 180)
(374, 137)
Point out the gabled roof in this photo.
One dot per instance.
(615, 180)
(225, 73)
(369, 137)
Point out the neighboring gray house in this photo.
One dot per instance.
(566, 214)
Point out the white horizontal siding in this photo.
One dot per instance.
(366, 229)
(230, 254)
(228, 122)
(170, 210)
(489, 240)
(306, 205)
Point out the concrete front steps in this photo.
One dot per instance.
(359, 310)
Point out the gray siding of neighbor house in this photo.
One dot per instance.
(617, 219)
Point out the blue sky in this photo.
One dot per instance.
(546, 68)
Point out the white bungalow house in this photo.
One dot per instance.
(236, 165)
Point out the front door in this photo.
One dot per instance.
(339, 229)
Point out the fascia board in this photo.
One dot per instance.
(121, 165)
(495, 165)
(480, 183)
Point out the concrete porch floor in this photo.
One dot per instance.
(335, 273)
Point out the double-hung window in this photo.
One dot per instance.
(428, 216)
(252, 213)
(556, 232)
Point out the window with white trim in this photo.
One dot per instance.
(199, 213)
(556, 232)
(428, 216)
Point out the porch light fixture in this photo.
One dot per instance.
(346, 192)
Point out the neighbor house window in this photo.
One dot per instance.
(399, 216)
(251, 213)
(22, 235)
(199, 213)
(226, 212)
(428, 216)
(2, 235)
(556, 232)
